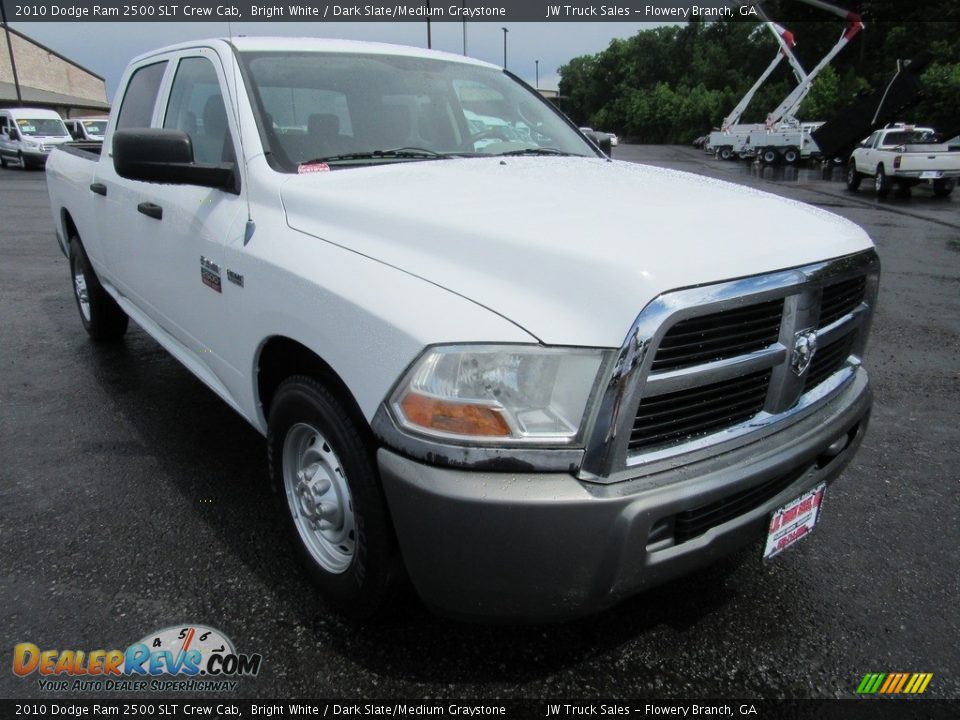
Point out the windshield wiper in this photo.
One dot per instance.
(536, 151)
(403, 153)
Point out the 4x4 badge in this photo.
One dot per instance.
(804, 347)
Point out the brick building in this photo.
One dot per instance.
(48, 79)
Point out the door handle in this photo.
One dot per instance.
(98, 188)
(151, 209)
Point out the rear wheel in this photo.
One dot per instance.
(725, 152)
(102, 318)
(791, 155)
(943, 188)
(769, 156)
(853, 177)
(881, 183)
(324, 473)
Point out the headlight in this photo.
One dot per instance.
(509, 393)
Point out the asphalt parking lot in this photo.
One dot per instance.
(132, 499)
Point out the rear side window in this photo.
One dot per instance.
(141, 96)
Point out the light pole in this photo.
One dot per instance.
(13, 63)
(429, 43)
(505, 31)
(538, 73)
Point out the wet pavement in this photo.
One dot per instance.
(132, 499)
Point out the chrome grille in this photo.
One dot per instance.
(713, 367)
(698, 411)
(721, 335)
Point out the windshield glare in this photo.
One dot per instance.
(320, 105)
(45, 126)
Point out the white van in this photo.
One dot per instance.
(27, 135)
(87, 128)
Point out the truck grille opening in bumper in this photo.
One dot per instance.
(694, 523)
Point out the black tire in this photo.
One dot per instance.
(368, 574)
(725, 153)
(769, 156)
(22, 161)
(943, 188)
(854, 178)
(881, 183)
(3, 161)
(791, 156)
(102, 318)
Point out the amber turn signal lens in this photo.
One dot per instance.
(454, 418)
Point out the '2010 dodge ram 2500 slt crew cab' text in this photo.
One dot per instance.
(465, 372)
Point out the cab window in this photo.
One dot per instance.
(196, 107)
(141, 96)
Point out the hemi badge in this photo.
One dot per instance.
(210, 274)
(235, 277)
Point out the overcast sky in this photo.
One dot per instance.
(106, 48)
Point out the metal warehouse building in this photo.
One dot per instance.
(48, 79)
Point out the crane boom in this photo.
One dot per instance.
(789, 106)
(785, 39)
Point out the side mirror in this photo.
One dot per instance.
(166, 156)
(14, 134)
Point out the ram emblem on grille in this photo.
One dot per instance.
(804, 346)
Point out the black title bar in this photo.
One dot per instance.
(383, 11)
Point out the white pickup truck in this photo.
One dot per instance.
(465, 371)
(907, 156)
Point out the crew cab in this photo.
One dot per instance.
(528, 377)
(905, 155)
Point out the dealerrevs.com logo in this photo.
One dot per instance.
(181, 658)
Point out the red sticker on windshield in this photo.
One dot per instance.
(312, 167)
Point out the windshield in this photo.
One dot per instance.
(335, 106)
(45, 126)
(95, 127)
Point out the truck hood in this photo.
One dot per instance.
(570, 249)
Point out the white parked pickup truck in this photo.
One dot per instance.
(466, 372)
(907, 156)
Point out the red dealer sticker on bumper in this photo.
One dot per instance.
(793, 521)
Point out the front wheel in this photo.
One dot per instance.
(853, 177)
(102, 318)
(943, 188)
(324, 473)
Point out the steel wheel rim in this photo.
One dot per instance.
(83, 295)
(319, 498)
(851, 174)
(878, 182)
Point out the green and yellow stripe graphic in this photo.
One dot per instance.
(894, 683)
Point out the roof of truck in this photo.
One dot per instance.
(328, 45)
